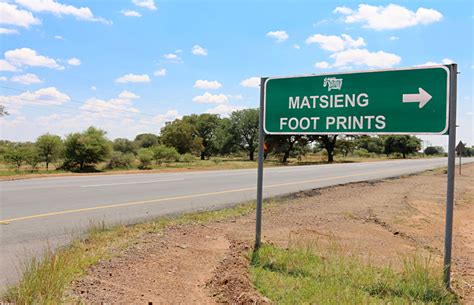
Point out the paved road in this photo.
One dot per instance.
(38, 212)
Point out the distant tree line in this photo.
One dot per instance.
(200, 136)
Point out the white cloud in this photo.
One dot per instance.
(198, 50)
(224, 109)
(59, 37)
(29, 57)
(11, 14)
(251, 82)
(93, 88)
(42, 97)
(206, 84)
(56, 8)
(388, 17)
(130, 13)
(133, 78)
(26, 79)
(444, 61)
(159, 120)
(279, 36)
(322, 65)
(208, 98)
(296, 46)
(74, 61)
(161, 72)
(394, 38)
(3, 78)
(363, 57)
(5, 31)
(6, 66)
(128, 95)
(172, 57)
(120, 107)
(149, 4)
(335, 43)
(343, 10)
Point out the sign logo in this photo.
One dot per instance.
(333, 83)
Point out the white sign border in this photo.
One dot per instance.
(361, 133)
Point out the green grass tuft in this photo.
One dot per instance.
(305, 274)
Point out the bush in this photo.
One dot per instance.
(434, 150)
(33, 158)
(362, 153)
(145, 156)
(187, 157)
(120, 160)
(86, 149)
(162, 153)
(16, 156)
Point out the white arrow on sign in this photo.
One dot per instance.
(422, 97)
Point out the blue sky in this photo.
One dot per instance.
(128, 66)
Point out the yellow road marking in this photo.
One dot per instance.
(6, 221)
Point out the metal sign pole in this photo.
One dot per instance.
(448, 239)
(460, 164)
(261, 140)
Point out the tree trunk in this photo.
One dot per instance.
(81, 165)
(404, 156)
(251, 152)
(47, 164)
(287, 152)
(330, 156)
(203, 156)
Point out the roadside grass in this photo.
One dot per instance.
(311, 273)
(46, 280)
(215, 163)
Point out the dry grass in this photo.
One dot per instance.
(46, 280)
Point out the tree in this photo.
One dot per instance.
(327, 142)
(223, 138)
(181, 135)
(433, 150)
(86, 148)
(162, 153)
(125, 146)
(120, 160)
(346, 146)
(49, 148)
(371, 144)
(205, 126)
(145, 156)
(402, 144)
(16, 155)
(286, 145)
(146, 140)
(32, 157)
(3, 111)
(244, 130)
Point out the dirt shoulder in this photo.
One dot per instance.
(208, 263)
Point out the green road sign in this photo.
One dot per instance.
(404, 101)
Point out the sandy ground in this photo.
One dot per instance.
(207, 264)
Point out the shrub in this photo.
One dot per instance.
(362, 153)
(120, 160)
(33, 158)
(187, 157)
(162, 153)
(145, 156)
(16, 156)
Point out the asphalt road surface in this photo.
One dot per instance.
(37, 213)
